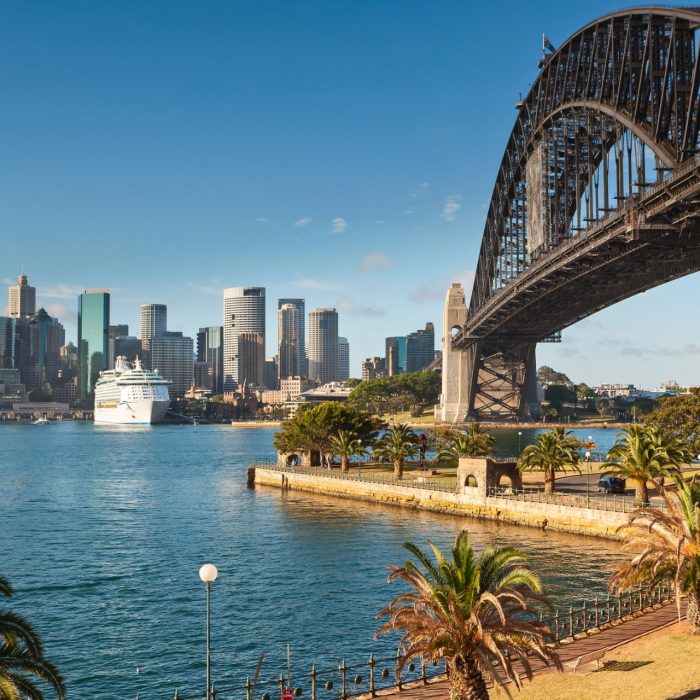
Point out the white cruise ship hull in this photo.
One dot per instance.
(135, 412)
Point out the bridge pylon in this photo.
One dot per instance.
(484, 379)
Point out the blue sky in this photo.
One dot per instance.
(344, 152)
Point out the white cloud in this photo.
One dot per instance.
(379, 222)
(375, 260)
(65, 314)
(346, 306)
(426, 293)
(302, 222)
(435, 289)
(308, 283)
(261, 220)
(410, 211)
(212, 289)
(424, 185)
(452, 205)
(60, 291)
(339, 225)
(8, 282)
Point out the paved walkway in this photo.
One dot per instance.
(610, 638)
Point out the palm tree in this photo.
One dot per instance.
(22, 658)
(553, 451)
(643, 454)
(474, 443)
(397, 444)
(346, 444)
(473, 612)
(666, 547)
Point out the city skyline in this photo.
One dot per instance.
(377, 223)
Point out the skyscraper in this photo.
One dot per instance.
(21, 298)
(396, 360)
(420, 348)
(343, 359)
(47, 336)
(154, 322)
(251, 359)
(93, 325)
(300, 305)
(210, 348)
(288, 328)
(323, 345)
(173, 356)
(244, 312)
(113, 332)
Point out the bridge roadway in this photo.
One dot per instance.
(651, 240)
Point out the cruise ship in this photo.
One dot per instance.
(129, 394)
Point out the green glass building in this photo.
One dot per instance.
(93, 333)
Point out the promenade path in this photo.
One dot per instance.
(608, 639)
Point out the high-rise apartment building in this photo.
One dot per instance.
(154, 322)
(172, 354)
(21, 298)
(93, 327)
(210, 348)
(343, 359)
(244, 312)
(300, 306)
(373, 368)
(288, 329)
(323, 345)
(251, 359)
(420, 348)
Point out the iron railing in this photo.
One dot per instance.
(367, 678)
(407, 481)
(593, 501)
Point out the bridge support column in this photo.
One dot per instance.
(455, 393)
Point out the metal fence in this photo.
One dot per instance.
(366, 678)
(595, 501)
(409, 481)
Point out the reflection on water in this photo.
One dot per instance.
(103, 532)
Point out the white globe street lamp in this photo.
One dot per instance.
(208, 574)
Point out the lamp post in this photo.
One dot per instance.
(208, 574)
(588, 472)
(520, 434)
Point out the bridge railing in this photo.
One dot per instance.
(573, 499)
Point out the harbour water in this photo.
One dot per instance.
(103, 530)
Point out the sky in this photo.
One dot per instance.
(341, 152)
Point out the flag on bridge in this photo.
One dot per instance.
(547, 45)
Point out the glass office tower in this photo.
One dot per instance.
(93, 332)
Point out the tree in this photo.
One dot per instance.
(313, 428)
(666, 547)
(679, 416)
(474, 443)
(397, 392)
(583, 391)
(397, 444)
(346, 445)
(22, 659)
(552, 452)
(474, 612)
(642, 454)
(546, 375)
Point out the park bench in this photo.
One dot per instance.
(586, 659)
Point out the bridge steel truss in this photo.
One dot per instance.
(597, 197)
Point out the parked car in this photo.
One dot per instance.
(611, 484)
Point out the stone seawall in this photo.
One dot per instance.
(582, 521)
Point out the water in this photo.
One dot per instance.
(103, 530)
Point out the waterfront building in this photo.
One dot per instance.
(420, 348)
(373, 368)
(154, 322)
(244, 312)
(323, 345)
(343, 359)
(210, 349)
(272, 380)
(93, 325)
(172, 354)
(614, 390)
(251, 358)
(300, 332)
(288, 329)
(21, 298)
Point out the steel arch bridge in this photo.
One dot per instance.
(597, 198)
